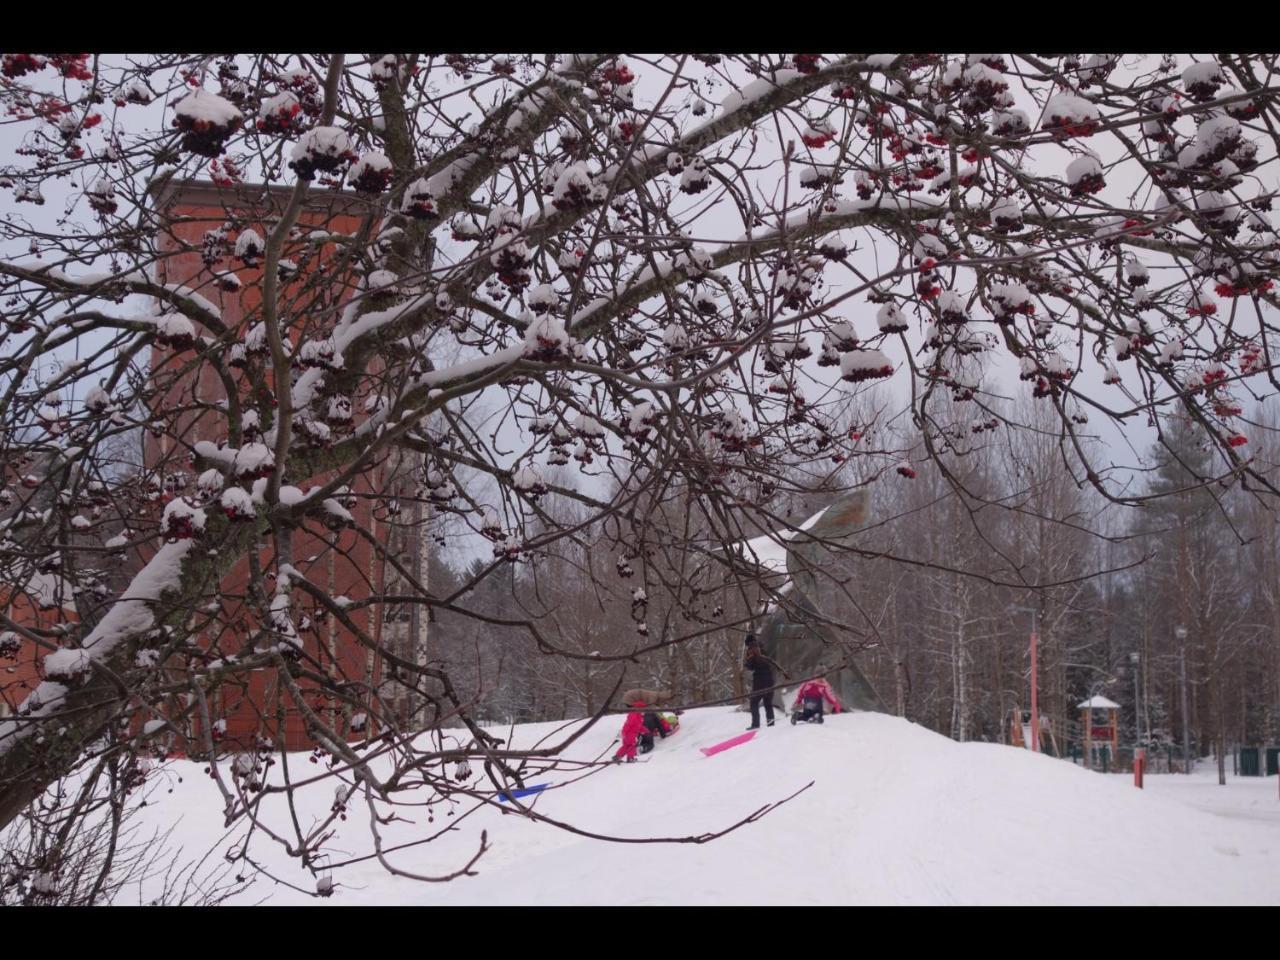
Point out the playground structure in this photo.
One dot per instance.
(1020, 735)
(796, 631)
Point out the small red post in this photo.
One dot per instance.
(1139, 766)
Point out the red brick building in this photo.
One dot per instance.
(255, 708)
(251, 709)
(41, 603)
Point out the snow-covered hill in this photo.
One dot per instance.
(895, 815)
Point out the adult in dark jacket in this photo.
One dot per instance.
(763, 680)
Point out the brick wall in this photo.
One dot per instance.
(254, 706)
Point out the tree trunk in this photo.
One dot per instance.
(1220, 717)
(959, 724)
(899, 677)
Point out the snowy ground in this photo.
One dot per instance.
(1241, 798)
(895, 815)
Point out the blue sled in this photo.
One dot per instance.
(504, 797)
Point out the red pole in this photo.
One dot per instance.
(1139, 766)
(1035, 700)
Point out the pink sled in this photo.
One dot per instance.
(727, 744)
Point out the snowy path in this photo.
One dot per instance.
(1242, 798)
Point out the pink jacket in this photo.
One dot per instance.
(817, 689)
(631, 730)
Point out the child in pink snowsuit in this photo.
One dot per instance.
(808, 702)
(631, 730)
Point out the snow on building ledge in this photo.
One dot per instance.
(167, 189)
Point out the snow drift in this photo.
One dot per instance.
(896, 814)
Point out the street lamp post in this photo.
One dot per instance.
(1181, 633)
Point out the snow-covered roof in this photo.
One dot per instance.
(769, 550)
(1099, 703)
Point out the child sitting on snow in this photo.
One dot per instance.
(661, 724)
(809, 698)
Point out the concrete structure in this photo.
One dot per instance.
(796, 634)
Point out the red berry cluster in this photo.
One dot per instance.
(619, 75)
(372, 180)
(73, 66)
(1244, 287)
(286, 120)
(204, 137)
(17, 65)
(807, 62)
(225, 173)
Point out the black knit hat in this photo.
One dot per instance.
(751, 638)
